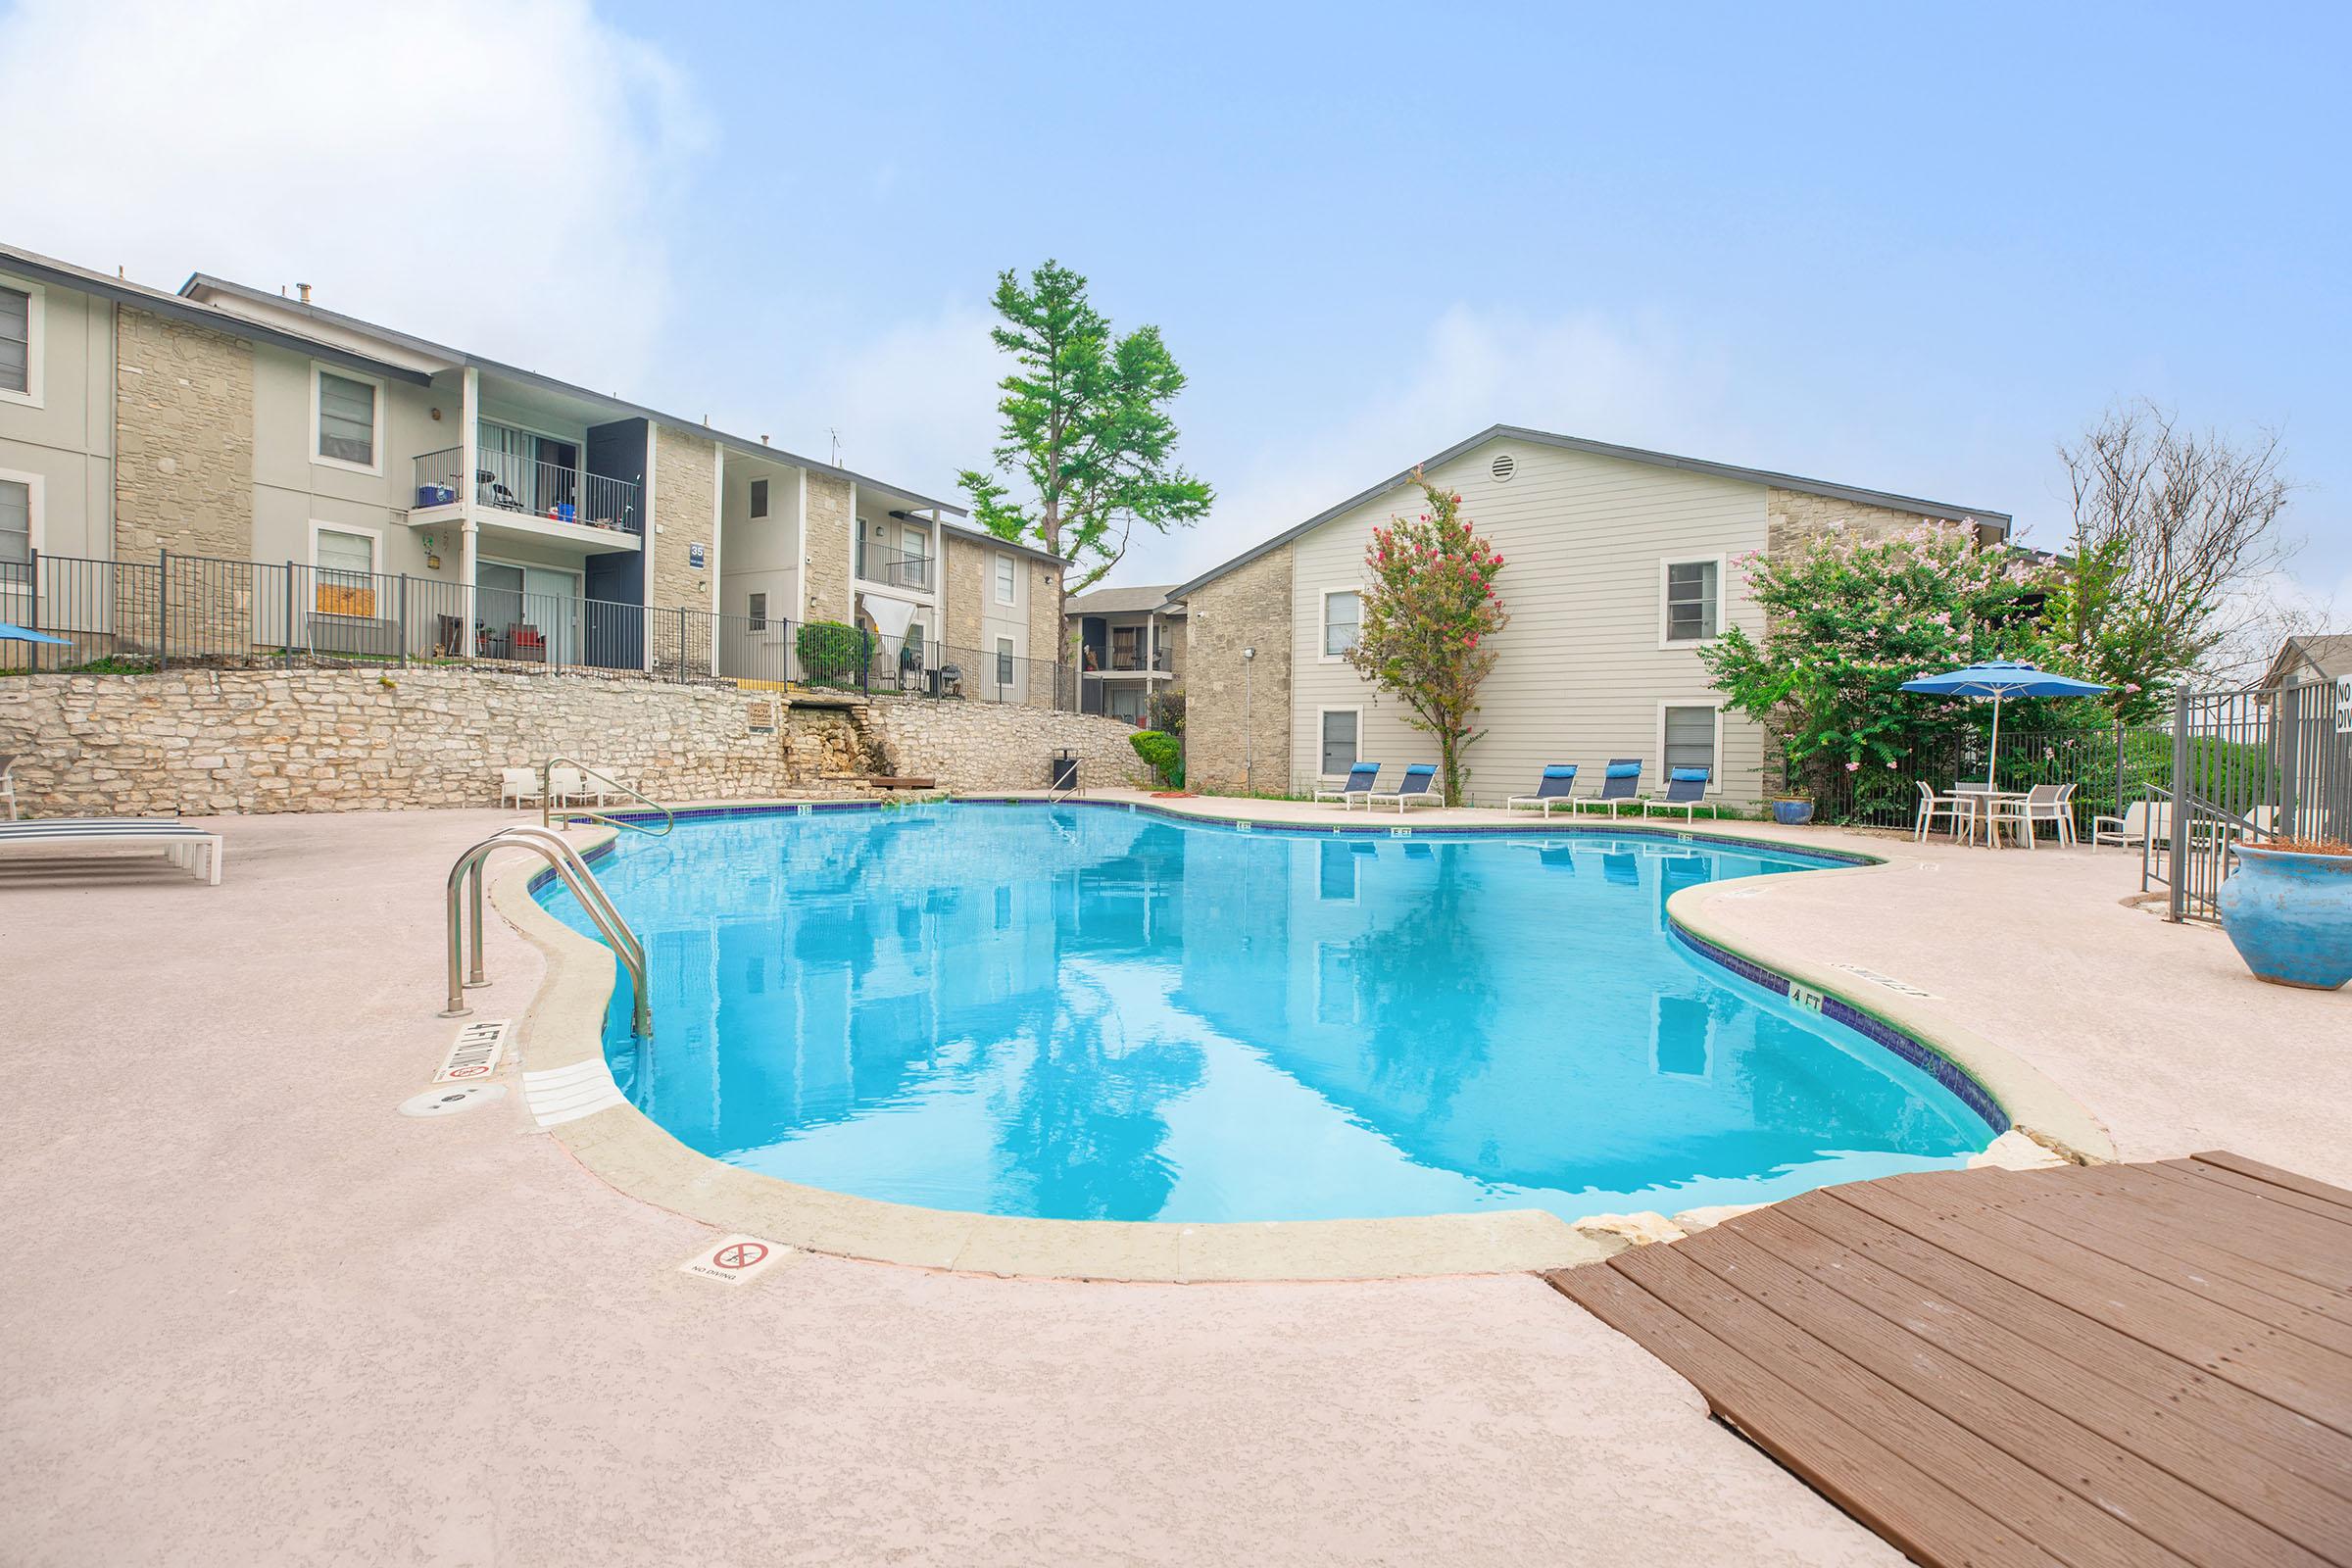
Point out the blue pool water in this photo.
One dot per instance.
(1082, 1012)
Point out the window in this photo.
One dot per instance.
(758, 612)
(1127, 703)
(20, 343)
(1005, 579)
(1694, 610)
(346, 565)
(347, 412)
(1336, 1000)
(1688, 740)
(1124, 646)
(1342, 611)
(1339, 740)
(1681, 1036)
(1335, 871)
(1003, 661)
(16, 522)
(759, 498)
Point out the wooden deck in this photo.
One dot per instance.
(2118, 1364)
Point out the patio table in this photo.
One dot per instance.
(1986, 799)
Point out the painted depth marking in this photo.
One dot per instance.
(567, 1094)
(476, 1052)
(1804, 997)
(733, 1259)
(1889, 981)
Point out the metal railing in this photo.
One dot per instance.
(2108, 765)
(2245, 764)
(898, 569)
(464, 890)
(125, 617)
(554, 491)
(600, 784)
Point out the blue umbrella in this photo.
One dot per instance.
(1997, 678)
(11, 632)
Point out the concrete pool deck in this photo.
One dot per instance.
(254, 1314)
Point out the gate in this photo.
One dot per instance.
(2261, 762)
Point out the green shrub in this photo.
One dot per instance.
(832, 653)
(1162, 752)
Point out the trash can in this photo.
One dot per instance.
(1064, 771)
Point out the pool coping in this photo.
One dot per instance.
(563, 1028)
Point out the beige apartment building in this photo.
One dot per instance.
(1621, 565)
(421, 496)
(1128, 646)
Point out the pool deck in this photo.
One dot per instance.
(254, 1314)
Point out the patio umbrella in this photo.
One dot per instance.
(1999, 678)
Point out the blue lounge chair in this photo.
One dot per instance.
(1357, 786)
(1558, 780)
(1417, 785)
(1686, 792)
(1617, 785)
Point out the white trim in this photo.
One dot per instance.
(1323, 654)
(1357, 708)
(805, 593)
(34, 508)
(36, 337)
(375, 439)
(1723, 576)
(1004, 575)
(1713, 704)
(1346, 843)
(849, 577)
(1006, 651)
(373, 536)
(715, 585)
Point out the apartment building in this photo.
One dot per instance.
(513, 515)
(1622, 566)
(1128, 644)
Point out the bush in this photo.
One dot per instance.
(832, 653)
(1162, 753)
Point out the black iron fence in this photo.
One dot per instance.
(2245, 765)
(126, 616)
(2109, 768)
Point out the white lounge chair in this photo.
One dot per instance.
(7, 785)
(1416, 785)
(568, 786)
(2142, 820)
(191, 847)
(518, 786)
(1357, 786)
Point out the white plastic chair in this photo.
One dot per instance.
(2142, 820)
(2043, 802)
(7, 785)
(568, 786)
(517, 786)
(1956, 809)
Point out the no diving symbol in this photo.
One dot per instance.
(739, 1255)
(733, 1259)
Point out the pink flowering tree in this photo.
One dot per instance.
(1847, 620)
(1427, 626)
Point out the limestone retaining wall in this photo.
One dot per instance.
(997, 746)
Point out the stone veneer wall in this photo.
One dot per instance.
(1248, 607)
(183, 469)
(685, 477)
(964, 581)
(997, 746)
(1794, 519)
(826, 531)
(1046, 631)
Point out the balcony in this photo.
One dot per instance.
(895, 568)
(547, 491)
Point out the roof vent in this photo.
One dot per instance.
(1503, 467)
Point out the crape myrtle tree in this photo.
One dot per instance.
(1849, 620)
(1427, 623)
(1087, 449)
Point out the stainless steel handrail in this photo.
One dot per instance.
(552, 849)
(547, 799)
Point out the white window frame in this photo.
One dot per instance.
(1346, 843)
(373, 536)
(1007, 577)
(755, 610)
(1713, 704)
(759, 498)
(1722, 568)
(376, 443)
(35, 504)
(1357, 710)
(36, 333)
(1006, 664)
(1323, 622)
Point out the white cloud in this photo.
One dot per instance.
(488, 174)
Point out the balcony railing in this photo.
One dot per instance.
(896, 568)
(550, 490)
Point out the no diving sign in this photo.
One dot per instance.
(733, 1259)
(475, 1053)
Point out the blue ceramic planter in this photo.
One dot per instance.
(2291, 916)
(1791, 813)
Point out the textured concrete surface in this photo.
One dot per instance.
(254, 1315)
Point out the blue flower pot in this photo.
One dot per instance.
(1792, 814)
(2289, 915)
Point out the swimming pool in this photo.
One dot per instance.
(1087, 1012)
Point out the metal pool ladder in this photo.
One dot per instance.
(548, 814)
(550, 847)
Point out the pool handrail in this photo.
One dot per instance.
(558, 853)
(547, 799)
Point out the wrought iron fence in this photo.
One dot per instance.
(512, 483)
(900, 569)
(124, 616)
(2109, 768)
(2245, 765)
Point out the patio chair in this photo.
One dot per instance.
(2142, 821)
(7, 785)
(1358, 786)
(1619, 785)
(1686, 792)
(518, 786)
(192, 848)
(1959, 810)
(2043, 802)
(568, 786)
(1553, 789)
(1416, 785)
(603, 789)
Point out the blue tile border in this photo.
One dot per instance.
(1870, 1026)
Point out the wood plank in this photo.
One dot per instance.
(2215, 1405)
(2085, 1531)
(2308, 1186)
(2137, 1414)
(2264, 1360)
(2278, 1233)
(2319, 1209)
(1915, 1512)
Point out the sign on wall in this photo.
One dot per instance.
(2343, 705)
(694, 557)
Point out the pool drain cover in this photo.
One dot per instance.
(450, 1099)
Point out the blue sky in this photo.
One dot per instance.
(1909, 247)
